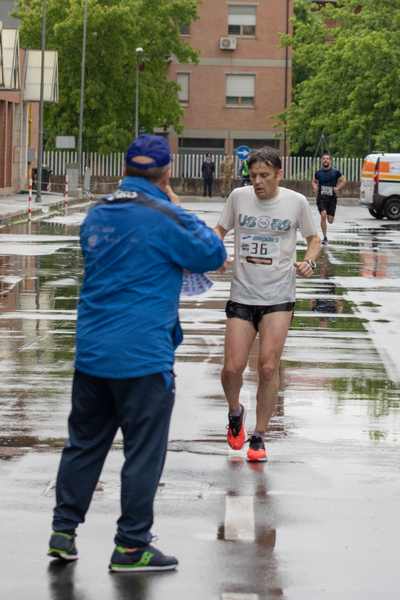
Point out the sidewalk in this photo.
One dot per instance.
(15, 207)
(341, 202)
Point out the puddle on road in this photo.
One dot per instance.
(334, 385)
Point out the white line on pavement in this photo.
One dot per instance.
(239, 518)
(234, 596)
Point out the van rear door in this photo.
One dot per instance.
(368, 175)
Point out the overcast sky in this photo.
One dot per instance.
(6, 6)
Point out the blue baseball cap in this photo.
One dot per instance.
(148, 152)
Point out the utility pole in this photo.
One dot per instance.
(41, 107)
(286, 84)
(139, 54)
(82, 95)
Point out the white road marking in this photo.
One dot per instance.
(54, 315)
(35, 238)
(236, 596)
(74, 219)
(10, 280)
(239, 518)
(67, 282)
(22, 249)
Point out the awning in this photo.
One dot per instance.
(33, 61)
(10, 51)
(1, 59)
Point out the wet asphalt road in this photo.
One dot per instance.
(319, 520)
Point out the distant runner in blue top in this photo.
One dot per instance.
(326, 183)
(136, 244)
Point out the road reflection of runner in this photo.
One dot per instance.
(249, 527)
(373, 262)
(328, 303)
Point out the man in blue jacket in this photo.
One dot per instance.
(135, 244)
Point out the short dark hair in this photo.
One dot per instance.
(267, 156)
(153, 174)
(326, 154)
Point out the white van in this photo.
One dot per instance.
(380, 185)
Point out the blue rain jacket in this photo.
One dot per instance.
(134, 253)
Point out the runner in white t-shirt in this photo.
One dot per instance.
(265, 219)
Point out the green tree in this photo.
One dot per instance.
(346, 76)
(115, 29)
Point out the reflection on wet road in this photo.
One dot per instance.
(325, 504)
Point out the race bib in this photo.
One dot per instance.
(259, 249)
(326, 190)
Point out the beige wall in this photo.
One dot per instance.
(206, 115)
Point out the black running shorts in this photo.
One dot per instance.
(254, 313)
(328, 204)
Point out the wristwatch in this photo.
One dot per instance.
(312, 263)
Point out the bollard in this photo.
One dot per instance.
(66, 192)
(30, 199)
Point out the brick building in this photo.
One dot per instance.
(242, 81)
(19, 95)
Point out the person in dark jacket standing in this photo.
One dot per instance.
(136, 244)
(208, 172)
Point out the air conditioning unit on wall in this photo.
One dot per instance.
(228, 43)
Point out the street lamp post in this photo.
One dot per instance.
(41, 107)
(286, 84)
(139, 54)
(82, 94)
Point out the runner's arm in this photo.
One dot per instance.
(315, 184)
(220, 231)
(171, 195)
(303, 267)
(313, 247)
(341, 183)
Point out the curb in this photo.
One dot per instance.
(312, 200)
(21, 216)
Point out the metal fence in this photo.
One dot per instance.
(296, 168)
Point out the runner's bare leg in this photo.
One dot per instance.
(273, 330)
(239, 338)
(324, 226)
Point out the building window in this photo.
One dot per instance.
(202, 144)
(183, 80)
(271, 144)
(240, 90)
(184, 29)
(242, 20)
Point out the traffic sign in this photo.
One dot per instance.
(65, 142)
(242, 152)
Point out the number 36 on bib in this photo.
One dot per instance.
(259, 249)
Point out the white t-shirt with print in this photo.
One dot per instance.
(265, 244)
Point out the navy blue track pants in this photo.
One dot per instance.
(142, 408)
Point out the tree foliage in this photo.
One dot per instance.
(346, 75)
(115, 29)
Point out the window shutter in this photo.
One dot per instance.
(240, 86)
(183, 82)
(242, 15)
